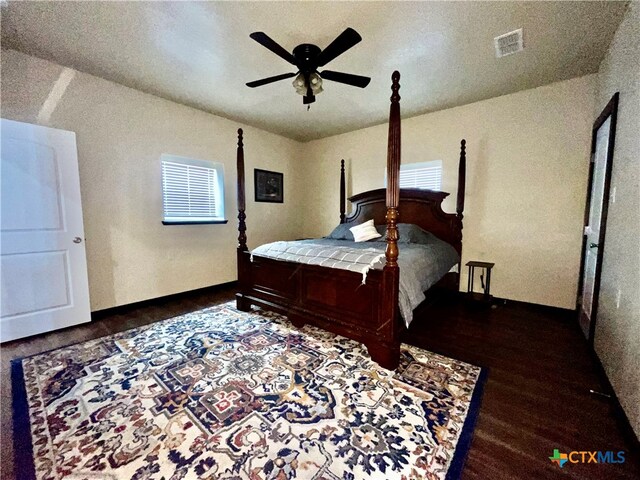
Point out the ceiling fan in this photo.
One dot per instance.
(307, 58)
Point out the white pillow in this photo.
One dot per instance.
(365, 231)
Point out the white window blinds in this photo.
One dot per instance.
(422, 175)
(192, 191)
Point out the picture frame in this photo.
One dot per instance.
(269, 186)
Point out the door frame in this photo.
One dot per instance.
(610, 111)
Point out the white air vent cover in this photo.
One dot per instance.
(509, 43)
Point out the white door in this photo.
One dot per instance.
(42, 255)
(592, 230)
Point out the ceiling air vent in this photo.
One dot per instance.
(508, 43)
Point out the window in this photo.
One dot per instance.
(422, 175)
(192, 191)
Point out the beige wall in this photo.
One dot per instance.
(527, 166)
(121, 134)
(617, 337)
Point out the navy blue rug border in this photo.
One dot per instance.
(464, 441)
(22, 446)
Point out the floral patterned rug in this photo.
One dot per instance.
(223, 394)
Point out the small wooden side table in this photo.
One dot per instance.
(486, 266)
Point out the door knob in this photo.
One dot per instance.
(77, 240)
(593, 245)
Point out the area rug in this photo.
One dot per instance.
(223, 394)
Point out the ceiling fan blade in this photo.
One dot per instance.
(266, 41)
(264, 81)
(348, 78)
(341, 44)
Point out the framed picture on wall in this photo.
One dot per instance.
(269, 186)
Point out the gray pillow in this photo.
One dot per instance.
(342, 232)
(409, 233)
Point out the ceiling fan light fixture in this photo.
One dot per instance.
(300, 84)
(316, 83)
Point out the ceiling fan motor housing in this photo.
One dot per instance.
(306, 55)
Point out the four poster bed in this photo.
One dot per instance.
(340, 300)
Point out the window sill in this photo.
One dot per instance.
(195, 222)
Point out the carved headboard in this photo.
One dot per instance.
(417, 206)
(420, 207)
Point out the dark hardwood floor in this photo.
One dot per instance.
(536, 397)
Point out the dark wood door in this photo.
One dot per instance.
(602, 144)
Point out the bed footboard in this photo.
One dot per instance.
(334, 300)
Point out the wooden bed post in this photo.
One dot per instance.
(393, 173)
(462, 169)
(242, 227)
(343, 200)
(242, 251)
(386, 351)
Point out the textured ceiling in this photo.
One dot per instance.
(200, 53)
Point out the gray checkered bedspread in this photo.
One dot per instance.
(421, 265)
